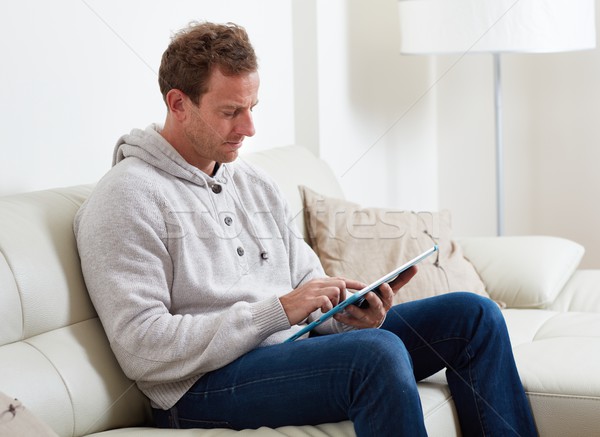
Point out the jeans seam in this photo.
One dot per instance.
(263, 380)
(174, 418)
(471, 381)
(431, 343)
(475, 392)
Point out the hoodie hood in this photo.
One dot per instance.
(149, 146)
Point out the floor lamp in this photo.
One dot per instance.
(496, 27)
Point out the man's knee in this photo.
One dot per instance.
(379, 351)
(486, 307)
(483, 318)
(474, 304)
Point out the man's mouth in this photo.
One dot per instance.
(235, 143)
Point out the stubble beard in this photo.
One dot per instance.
(210, 146)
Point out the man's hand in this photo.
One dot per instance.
(373, 316)
(321, 294)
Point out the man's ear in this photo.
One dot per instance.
(177, 102)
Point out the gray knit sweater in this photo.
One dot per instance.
(185, 270)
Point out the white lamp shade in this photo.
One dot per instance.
(496, 26)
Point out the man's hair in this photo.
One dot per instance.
(197, 50)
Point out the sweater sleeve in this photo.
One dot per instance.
(121, 237)
(305, 266)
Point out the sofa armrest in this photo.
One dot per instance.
(523, 271)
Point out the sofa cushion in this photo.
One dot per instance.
(523, 271)
(366, 243)
(51, 341)
(84, 389)
(18, 421)
(557, 355)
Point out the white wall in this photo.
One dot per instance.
(566, 139)
(465, 139)
(412, 132)
(78, 74)
(551, 113)
(377, 120)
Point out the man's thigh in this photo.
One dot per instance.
(308, 381)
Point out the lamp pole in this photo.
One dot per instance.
(499, 146)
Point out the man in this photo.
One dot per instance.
(196, 306)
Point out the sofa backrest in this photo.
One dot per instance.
(54, 356)
(291, 166)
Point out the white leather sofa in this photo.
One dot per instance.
(55, 358)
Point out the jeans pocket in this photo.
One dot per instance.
(163, 419)
(172, 419)
(206, 424)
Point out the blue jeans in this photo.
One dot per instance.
(370, 376)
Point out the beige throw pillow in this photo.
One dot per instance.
(366, 243)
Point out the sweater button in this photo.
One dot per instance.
(216, 188)
(240, 251)
(228, 221)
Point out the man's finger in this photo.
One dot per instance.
(403, 278)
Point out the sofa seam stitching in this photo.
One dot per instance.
(19, 293)
(66, 197)
(542, 325)
(447, 400)
(559, 396)
(63, 381)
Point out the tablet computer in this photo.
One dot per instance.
(359, 296)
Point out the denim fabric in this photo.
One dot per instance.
(369, 376)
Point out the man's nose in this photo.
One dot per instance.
(246, 124)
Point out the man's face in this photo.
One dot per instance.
(217, 127)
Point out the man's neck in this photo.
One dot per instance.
(175, 139)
